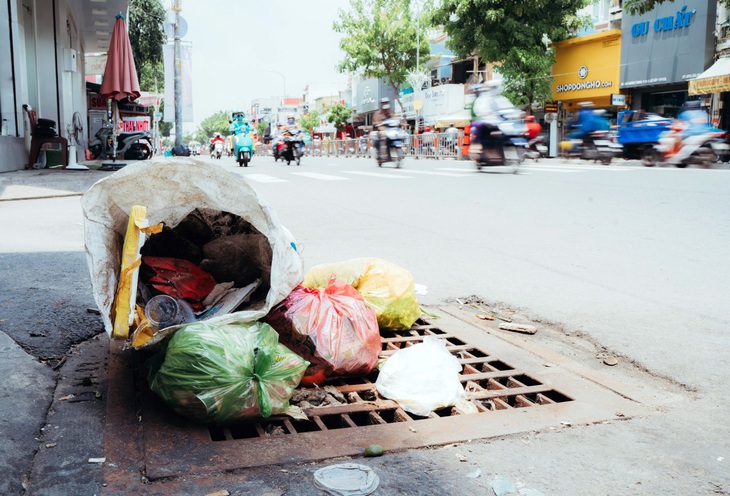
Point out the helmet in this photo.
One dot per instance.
(530, 118)
(238, 115)
(385, 103)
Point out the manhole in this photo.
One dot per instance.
(512, 390)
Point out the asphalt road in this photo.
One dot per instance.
(629, 259)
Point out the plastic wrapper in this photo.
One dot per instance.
(178, 278)
(388, 288)
(422, 378)
(333, 328)
(224, 373)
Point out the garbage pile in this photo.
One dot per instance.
(188, 262)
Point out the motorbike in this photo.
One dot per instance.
(290, 147)
(243, 148)
(393, 147)
(217, 150)
(536, 148)
(133, 146)
(596, 146)
(498, 144)
(700, 149)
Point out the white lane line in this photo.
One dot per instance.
(322, 177)
(581, 167)
(262, 178)
(378, 174)
(431, 173)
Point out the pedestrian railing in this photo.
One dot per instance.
(428, 145)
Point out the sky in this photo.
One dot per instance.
(237, 43)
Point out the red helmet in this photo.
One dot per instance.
(530, 118)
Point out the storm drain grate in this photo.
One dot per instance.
(351, 414)
(490, 383)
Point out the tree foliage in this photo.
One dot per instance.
(339, 114)
(309, 121)
(511, 33)
(216, 123)
(380, 39)
(644, 6)
(146, 33)
(261, 127)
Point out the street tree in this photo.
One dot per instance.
(339, 114)
(309, 121)
(261, 127)
(216, 123)
(513, 34)
(644, 6)
(380, 39)
(147, 36)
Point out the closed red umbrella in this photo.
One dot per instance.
(120, 74)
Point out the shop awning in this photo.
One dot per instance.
(716, 79)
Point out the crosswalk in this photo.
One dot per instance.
(411, 172)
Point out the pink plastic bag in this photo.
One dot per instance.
(333, 328)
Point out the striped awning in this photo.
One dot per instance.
(716, 79)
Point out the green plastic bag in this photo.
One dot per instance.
(385, 286)
(224, 373)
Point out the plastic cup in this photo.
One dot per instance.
(165, 311)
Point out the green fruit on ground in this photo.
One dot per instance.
(374, 450)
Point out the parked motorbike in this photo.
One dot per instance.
(243, 148)
(700, 149)
(596, 146)
(392, 149)
(133, 146)
(290, 148)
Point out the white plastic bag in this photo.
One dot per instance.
(422, 378)
(171, 189)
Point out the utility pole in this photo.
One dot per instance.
(178, 76)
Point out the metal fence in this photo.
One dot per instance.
(427, 145)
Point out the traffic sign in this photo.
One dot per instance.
(417, 104)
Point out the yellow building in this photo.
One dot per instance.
(587, 69)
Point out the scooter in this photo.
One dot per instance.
(700, 149)
(536, 148)
(500, 144)
(597, 146)
(290, 148)
(243, 148)
(217, 151)
(133, 146)
(392, 149)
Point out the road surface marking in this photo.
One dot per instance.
(322, 177)
(379, 174)
(412, 171)
(262, 178)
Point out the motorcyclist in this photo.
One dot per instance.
(379, 117)
(533, 128)
(239, 124)
(491, 109)
(587, 121)
(691, 121)
(217, 138)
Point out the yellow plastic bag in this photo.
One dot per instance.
(388, 288)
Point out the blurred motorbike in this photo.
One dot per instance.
(243, 148)
(596, 146)
(290, 147)
(700, 149)
(389, 145)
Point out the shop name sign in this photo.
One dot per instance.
(584, 85)
(683, 19)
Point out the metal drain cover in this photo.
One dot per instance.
(511, 388)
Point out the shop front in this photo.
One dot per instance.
(586, 69)
(367, 98)
(663, 50)
(715, 82)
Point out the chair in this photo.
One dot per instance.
(38, 138)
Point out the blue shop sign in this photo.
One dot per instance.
(683, 19)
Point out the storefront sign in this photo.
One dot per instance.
(673, 43)
(94, 65)
(134, 124)
(618, 100)
(587, 68)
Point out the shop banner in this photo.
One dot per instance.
(186, 82)
(94, 65)
(135, 124)
(673, 43)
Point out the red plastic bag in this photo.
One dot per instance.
(178, 278)
(333, 328)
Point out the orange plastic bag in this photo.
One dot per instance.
(333, 328)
